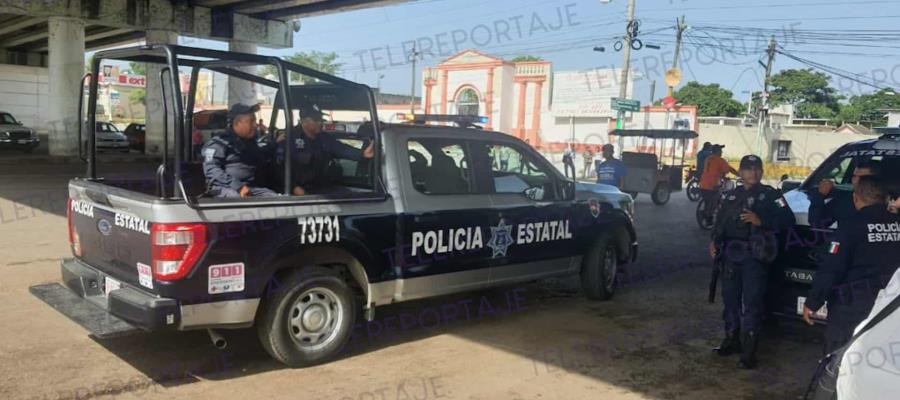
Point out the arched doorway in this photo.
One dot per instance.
(467, 102)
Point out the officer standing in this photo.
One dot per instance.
(233, 162)
(858, 263)
(743, 243)
(313, 153)
(840, 205)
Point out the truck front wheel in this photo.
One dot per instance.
(599, 268)
(308, 319)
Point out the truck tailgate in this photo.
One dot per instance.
(114, 241)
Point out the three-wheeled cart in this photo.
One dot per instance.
(647, 169)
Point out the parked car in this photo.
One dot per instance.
(109, 137)
(794, 269)
(14, 135)
(136, 136)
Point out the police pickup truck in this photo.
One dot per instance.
(434, 213)
(802, 246)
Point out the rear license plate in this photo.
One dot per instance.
(110, 284)
(821, 314)
(23, 141)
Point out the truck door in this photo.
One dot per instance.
(443, 243)
(532, 224)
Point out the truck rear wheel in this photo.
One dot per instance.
(599, 268)
(309, 319)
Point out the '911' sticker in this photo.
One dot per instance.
(321, 229)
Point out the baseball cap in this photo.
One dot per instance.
(241, 109)
(751, 161)
(310, 112)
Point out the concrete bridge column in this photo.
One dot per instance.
(153, 102)
(65, 69)
(239, 90)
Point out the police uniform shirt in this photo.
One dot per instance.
(310, 158)
(231, 162)
(763, 200)
(838, 208)
(864, 253)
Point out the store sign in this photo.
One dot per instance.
(586, 93)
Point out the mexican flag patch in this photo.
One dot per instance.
(834, 247)
(781, 203)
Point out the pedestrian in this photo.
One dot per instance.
(233, 162)
(569, 160)
(611, 171)
(748, 219)
(504, 158)
(840, 206)
(588, 161)
(715, 168)
(858, 263)
(261, 128)
(704, 152)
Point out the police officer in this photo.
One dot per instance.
(840, 206)
(857, 264)
(313, 152)
(743, 243)
(234, 164)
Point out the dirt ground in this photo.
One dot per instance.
(541, 340)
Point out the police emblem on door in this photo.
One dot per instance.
(594, 206)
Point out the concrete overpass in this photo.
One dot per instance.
(56, 34)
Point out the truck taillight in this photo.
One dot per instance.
(176, 249)
(74, 241)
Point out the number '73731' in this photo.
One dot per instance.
(320, 229)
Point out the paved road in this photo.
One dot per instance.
(536, 341)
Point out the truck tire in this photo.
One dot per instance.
(661, 194)
(308, 319)
(599, 268)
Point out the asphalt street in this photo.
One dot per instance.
(541, 340)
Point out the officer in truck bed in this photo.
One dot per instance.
(858, 263)
(743, 243)
(233, 162)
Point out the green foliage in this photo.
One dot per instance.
(317, 60)
(137, 68)
(138, 96)
(807, 90)
(711, 100)
(525, 58)
(868, 108)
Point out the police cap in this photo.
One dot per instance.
(241, 109)
(311, 112)
(751, 161)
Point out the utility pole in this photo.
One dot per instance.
(412, 85)
(626, 64)
(681, 27)
(652, 95)
(764, 99)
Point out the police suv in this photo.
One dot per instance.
(434, 212)
(802, 246)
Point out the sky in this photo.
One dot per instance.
(724, 43)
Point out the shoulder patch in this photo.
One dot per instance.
(834, 247)
(781, 202)
(209, 154)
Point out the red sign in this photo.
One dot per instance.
(669, 102)
(227, 270)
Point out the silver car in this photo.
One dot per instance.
(16, 136)
(109, 137)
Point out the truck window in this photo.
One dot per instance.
(514, 171)
(439, 166)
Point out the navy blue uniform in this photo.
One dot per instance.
(865, 253)
(823, 214)
(230, 163)
(745, 250)
(311, 159)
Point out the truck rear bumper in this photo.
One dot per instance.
(131, 305)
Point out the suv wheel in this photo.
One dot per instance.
(599, 268)
(309, 319)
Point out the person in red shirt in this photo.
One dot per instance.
(714, 170)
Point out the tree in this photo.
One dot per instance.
(137, 68)
(317, 60)
(138, 96)
(711, 100)
(88, 63)
(868, 108)
(525, 58)
(808, 91)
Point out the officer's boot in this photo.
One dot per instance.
(730, 345)
(749, 341)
